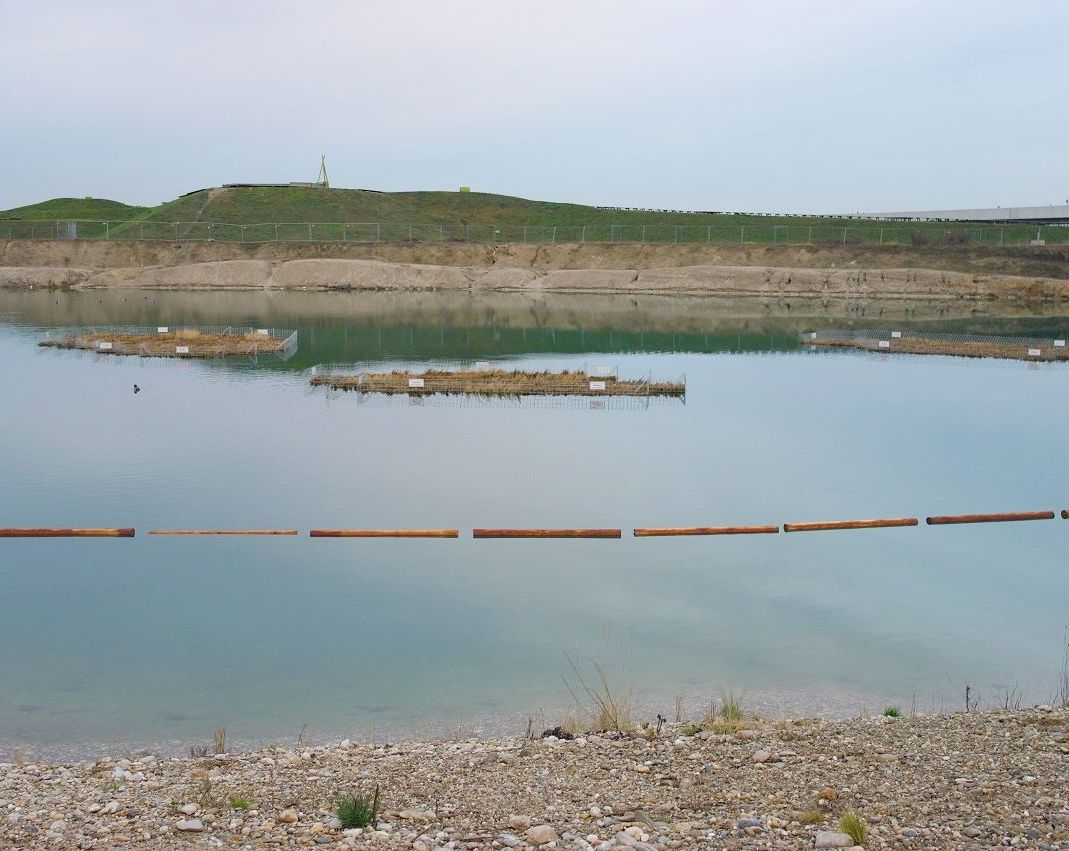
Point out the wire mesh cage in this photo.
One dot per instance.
(939, 343)
(177, 341)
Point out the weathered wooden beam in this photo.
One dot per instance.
(546, 533)
(830, 525)
(1065, 514)
(66, 533)
(706, 530)
(384, 533)
(950, 519)
(223, 532)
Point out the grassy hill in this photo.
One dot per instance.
(265, 214)
(76, 208)
(257, 205)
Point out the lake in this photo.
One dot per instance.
(156, 641)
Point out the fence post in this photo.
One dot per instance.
(881, 236)
(378, 232)
(525, 233)
(554, 233)
(107, 231)
(810, 234)
(708, 233)
(441, 233)
(643, 233)
(1001, 234)
(844, 234)
(243, 233)
(410, 231)
(582, 236)
(467, 233)
(742, 234)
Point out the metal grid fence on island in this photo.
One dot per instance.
(939, 343)
(179, 341)
(481, 385)
(917, 235)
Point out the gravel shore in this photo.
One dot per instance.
(965, 781)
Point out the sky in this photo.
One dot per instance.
(814, 106)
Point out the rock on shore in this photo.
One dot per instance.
(968, 781)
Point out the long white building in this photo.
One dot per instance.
(1053, 214)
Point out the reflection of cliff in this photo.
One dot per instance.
(373, 325)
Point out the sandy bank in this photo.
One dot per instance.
(966, 781)
(713, 281)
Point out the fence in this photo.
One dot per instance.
(916, 235)
(219, 340)
(934, 343)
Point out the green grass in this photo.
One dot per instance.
(358, 810)
(76, 208)
(237, 802)
(892, 712)
(853, 825)
(345, 214)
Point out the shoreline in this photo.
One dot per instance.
(968, 780)
(747, 271)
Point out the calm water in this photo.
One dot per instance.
(159, 640)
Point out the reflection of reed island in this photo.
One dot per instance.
(177, 343)
(494, 382)
(959, 345)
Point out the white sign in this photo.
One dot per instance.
(263, 331)
(163, 329)
(896, 334)
(181, 350)
(1034, 353)
(885, 344)
(415, 382)
(1060, 343)
(813, 336)
(602, 370)
(101, 344)
(597, 385)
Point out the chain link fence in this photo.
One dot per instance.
(917, 235)
(938, 343)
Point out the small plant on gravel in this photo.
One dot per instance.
(853, 825)
(237, 802)
(729, 717)
(358, 810)
(892, 712)
(811, 816)
(204, 793)
(608, 709)
(200, 751)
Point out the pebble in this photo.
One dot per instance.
(833, 839)
(193, 825)
(542, 834)
(288, 816)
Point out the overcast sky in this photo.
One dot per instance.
(814, 105)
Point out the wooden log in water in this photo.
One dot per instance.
(223, 532)
(66, 533)
(1065, 514)
(706, 530)
(951, 519)
(830, 525)
(546, 533)
(384, 533)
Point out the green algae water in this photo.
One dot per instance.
(154, 642)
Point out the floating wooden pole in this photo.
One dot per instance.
(707, 530)
(990, 518)
(384, 533)
(223, 532)
(829, 525)
(546, 533)
(1065, 514)
(66, 533)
